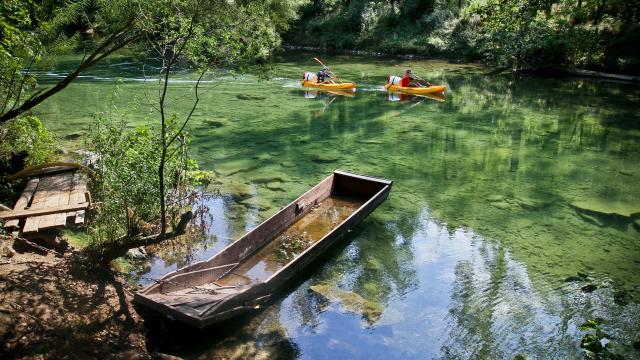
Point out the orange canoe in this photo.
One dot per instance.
(315, 85)
(433, 89)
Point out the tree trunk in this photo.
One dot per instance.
(104, 253)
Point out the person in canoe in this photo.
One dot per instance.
(408, 80)
(322, 75)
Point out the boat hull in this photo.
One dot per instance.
(173, 294)
(342, 86)
(434, 89)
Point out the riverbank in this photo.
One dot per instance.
(54, 307)
(542, 71)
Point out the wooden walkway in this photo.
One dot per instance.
(49, 201)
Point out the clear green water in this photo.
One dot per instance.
(501, 192)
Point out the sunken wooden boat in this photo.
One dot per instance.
(247, 273)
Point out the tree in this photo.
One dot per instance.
(202, 34)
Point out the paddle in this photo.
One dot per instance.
(334, 75)
(421, 79)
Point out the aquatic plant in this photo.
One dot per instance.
(290, 246)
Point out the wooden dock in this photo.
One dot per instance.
(49, 201)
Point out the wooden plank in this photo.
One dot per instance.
(31, 224)
(23, 201)
(65, 189)
(73, 196)
(57, 194)
(19, 214)
(46, 196)
(82, 196)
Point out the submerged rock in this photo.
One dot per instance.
(573, 279)
(238, 191)
(374, 264)
(213, 123)
(262, 157)
(271, 178)
(351, 302)
(589, 288)
(592, 219)
(275, 186)
(592, 343)
(501, 205)
(495, 197)
(622, 297)
(250, 97)
(323, 158)
(607, 208)
(233, 167)
(372, 142)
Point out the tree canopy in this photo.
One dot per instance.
(521, 34)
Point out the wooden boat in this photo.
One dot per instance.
(246, 273)
(417, 90)
(337, 86)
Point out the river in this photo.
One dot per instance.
(502, 192)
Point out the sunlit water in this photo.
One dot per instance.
(500, 193)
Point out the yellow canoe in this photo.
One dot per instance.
(433, 89)
(315, 85)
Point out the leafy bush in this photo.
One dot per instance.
(26, 134)
(127, 181)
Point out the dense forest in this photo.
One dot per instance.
(519, 34)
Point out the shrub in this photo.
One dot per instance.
(127, 181)
(27, 134)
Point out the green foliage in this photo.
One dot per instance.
(27, 134)
(519, 34)
(127, 179)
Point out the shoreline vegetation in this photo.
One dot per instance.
(560, 71)
(596, 35)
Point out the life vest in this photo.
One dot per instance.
(309, 76)
(394, 80)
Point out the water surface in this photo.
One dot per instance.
(501, 192)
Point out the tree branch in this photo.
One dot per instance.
(193, 108)
(10, 88)
(21, 86)
(120, 39)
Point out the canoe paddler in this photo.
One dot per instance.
(322, 74)
(409, 80)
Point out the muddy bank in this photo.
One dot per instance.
(55, 307)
